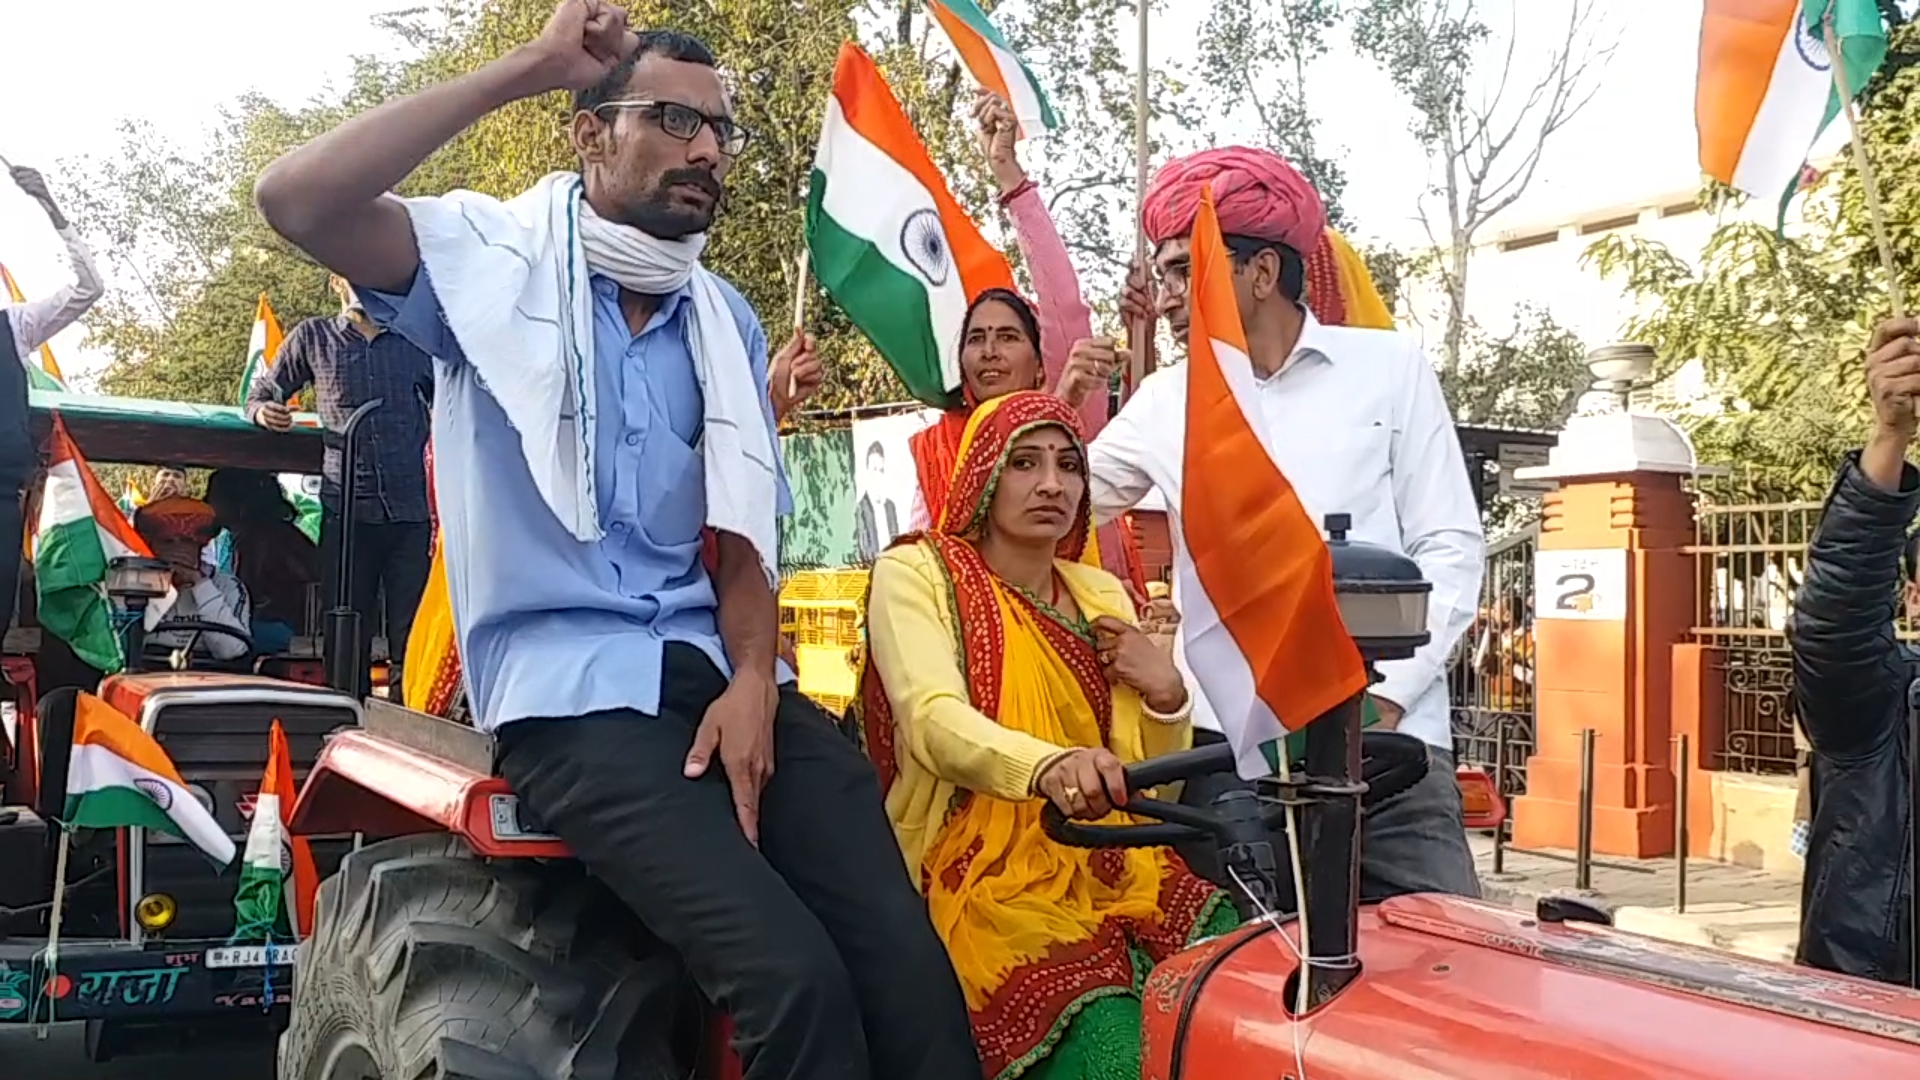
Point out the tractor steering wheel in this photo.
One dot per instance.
(1390, 764)
(195, 628)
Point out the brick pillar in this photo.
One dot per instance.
(1613, 596)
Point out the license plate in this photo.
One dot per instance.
(246, 956)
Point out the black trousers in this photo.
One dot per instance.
(1415, 842)
(12, 551)
(391, 559)
(817, 943)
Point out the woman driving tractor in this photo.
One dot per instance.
(1006, 669)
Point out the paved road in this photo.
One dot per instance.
(62, 1057)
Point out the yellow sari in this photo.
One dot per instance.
(1048, 940)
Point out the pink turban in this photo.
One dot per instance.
(1257, 193)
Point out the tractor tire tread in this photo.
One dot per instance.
(448, 967)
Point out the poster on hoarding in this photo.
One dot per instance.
(885, 484)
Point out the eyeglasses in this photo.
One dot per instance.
(684, 122)
(1172, 280)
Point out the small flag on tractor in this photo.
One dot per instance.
(1257, 584)
(80, 530)
(119, 778)
(277, 874)
(263, 346)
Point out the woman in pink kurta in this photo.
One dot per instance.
(1008, 344)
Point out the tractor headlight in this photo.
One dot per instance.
(155, 912)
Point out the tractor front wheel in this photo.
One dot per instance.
(427, 963)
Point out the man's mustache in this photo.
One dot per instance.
(697, 178)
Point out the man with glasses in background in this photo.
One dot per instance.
(602, 399)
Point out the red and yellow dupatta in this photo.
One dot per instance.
(1034, 929)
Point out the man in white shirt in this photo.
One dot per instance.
(1356, 420)
(24, 328)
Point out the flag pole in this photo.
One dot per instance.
(1876, 216)
(799, 316)
(53, 926)
(1140, 334)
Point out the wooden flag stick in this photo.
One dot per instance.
(1139, 336)
(799, 317)
(1896, 291)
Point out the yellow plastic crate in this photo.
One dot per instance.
(822, 607)
(820, 614)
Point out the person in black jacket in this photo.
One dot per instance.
(1851, 677)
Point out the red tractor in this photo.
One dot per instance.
(146, 955)
(459, 940)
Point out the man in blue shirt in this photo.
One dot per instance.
(614, 671)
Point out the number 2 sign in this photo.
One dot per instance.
(1580, 584)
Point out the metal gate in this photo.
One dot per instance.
(1490, 682)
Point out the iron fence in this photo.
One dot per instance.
(1490, 683)
(1749, 559)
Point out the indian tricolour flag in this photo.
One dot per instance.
(1766, 86)
(80, 530)
(262, 346)
(993, 63)
(277, 874)
(118, 777)
(46, 374)
(888, 240)
(1258, 611)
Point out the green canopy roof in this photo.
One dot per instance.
(138, 431)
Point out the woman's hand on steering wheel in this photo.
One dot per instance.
(1086, 783)
(1131, 658)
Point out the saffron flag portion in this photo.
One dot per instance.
(1260, 617)
(993, 63)
(262, 346)
(119, 778)
(887, 239)
(47, 375)
(80, 530)
(1766, 88)
(278, 878)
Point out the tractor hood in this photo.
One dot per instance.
(1453, 988)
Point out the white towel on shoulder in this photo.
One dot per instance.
(511, 278)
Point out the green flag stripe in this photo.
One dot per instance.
(887, 304)
(70, 567)
(118, 808)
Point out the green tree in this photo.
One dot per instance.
(1779, 323)
(1085, 53)
(1485, 143)
(184, 227)
(1530, 377)
(1255, 55)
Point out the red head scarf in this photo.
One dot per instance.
(176, 518)
(991, 433)
(1256, 192)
